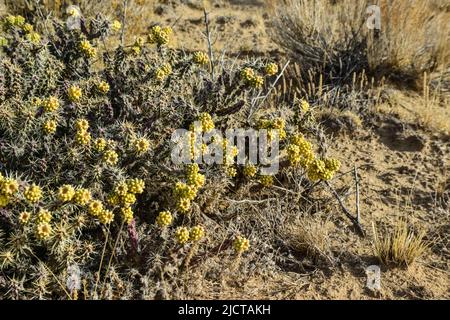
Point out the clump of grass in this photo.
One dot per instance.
(309, 237)
(399, 247)
(405, 51)
(320, 35)
(332, 37)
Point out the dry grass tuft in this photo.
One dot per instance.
(399, 247)
(321, 37)
(332, 37)
(308, 236)
(404, 48)
(426, 110)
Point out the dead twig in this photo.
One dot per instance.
(367, 165)
(349, 215)
(357, 194)
(250, 200)
(254, 107)
(124, 18)
(112, 255)
(208, 38)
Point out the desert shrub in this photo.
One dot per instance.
(331, 37)
(90, 201)
(361, 93)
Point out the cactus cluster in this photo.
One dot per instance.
(85, 149)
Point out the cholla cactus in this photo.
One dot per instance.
(110, 157)
(141, 146)
(74, 93)
(160, 36)
(127, 214)
(182, 235)
(49, 127)
(105, 216)
(116, 25)
(135, 185)
(85, 149)
(241, 244)
(250, 170)
(33, 193)
(24, 217)
(82, 196)
(44, 215)
(271, 69)
(66, 193)
(103, 87)
(266, 181)
(50, 104)
(87, 49)
(43, 230)
(164, 219)
(250, 77)
(200, 58)
(196, 233)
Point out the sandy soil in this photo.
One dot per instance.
(236, 26)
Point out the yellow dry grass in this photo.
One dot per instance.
(428, 111)
(404, 45)
(400, 246)
(414, 34)
(308, 236)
